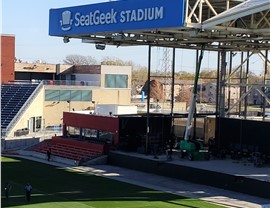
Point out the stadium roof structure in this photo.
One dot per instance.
(214, 25)
(231, 25)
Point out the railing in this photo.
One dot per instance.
(58, 82)
(22, 110)
(16, 82)
(72, 83)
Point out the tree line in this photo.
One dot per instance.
(140, 73)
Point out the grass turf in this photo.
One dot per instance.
(55, 187)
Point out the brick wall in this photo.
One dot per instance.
(7, 58)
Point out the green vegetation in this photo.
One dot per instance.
(55, 187)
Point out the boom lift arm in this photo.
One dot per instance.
(194, 96)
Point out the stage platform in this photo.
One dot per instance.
(235, 175)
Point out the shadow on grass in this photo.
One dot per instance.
(53, 184)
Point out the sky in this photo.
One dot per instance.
(28, 20)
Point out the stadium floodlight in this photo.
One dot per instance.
(66, 40)
(100, 46)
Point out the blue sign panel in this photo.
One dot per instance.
(116, 16)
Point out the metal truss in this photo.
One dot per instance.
(250, 88)
(239, 77)
(246, 33)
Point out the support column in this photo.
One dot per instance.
(148, 101)
(222, 84)
(172, 93)
(246, 87)
(266, 78)
(229, 87)
(240, 82)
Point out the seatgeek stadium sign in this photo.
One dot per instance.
(116, 16)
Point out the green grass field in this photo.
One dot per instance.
(55, 187)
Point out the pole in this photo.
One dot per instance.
(148, 100)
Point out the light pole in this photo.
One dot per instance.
(94, 103)
(68, 101)
(68, 105)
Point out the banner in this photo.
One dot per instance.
(116, 16)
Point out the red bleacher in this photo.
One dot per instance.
(71, 148)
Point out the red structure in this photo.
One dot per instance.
(92, 121)
(7, 58)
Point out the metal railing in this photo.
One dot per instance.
(72, 83)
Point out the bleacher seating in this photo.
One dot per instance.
(70, 148)
(13, 97)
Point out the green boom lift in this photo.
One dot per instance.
(193, 149)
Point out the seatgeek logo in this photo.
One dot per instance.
(66, 21)
(97, 17)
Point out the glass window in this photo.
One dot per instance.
(75, 96)
(64, 95)
(86, 95)
(68, 95)
(116, 81)
(109, 81)
(52, 95)
(121, 81)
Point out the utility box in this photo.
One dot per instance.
(113, 109)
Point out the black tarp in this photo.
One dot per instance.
(132, 131)
(250, 134)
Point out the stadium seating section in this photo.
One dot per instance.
(70, 148)
(13, 97)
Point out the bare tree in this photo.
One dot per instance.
(139, 75)
(80, 60)
(116, 61)
(39, 62)
(184, 75)
(184, 94)
(156, 89)
(89, 60)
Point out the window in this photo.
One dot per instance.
(64, 95)
(75, 96)
(68, 95)
(116, 81)
(52, 95)
(86, 95)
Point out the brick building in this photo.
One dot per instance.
(7, 58)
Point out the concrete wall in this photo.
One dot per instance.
(53, 111)
(44, 68)
(37, 69)
(20, 143)
(62, 67)
(111, 96)
(194, 175)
